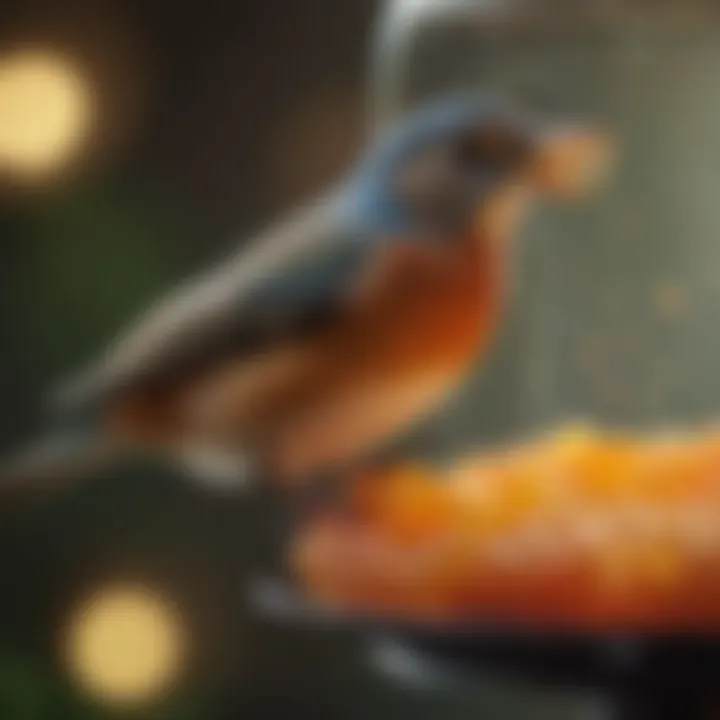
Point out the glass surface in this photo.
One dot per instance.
(617, 300)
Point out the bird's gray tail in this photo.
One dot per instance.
(54, 462)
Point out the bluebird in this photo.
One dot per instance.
(339, 329)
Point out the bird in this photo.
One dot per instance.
(337, 330)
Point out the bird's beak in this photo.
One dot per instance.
(563, 163)
(571, 162)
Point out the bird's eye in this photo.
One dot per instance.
(469, 152)
(494, 147)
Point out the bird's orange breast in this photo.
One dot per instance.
(411, 338)
(434, 306)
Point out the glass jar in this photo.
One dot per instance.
(617, 302)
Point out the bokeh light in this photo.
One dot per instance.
(45, 112)
(126, 645)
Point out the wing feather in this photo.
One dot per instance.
(287, 279)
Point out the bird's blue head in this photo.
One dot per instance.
(430, 173)
(433, 173)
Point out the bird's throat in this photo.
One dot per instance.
(499, 217)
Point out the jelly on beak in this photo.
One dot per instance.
(571, 162)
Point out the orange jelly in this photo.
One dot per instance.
(577, 528)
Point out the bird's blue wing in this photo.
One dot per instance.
(290, 282)
(302, 297)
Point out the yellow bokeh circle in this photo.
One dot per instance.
(45, 112)
(126, 644)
